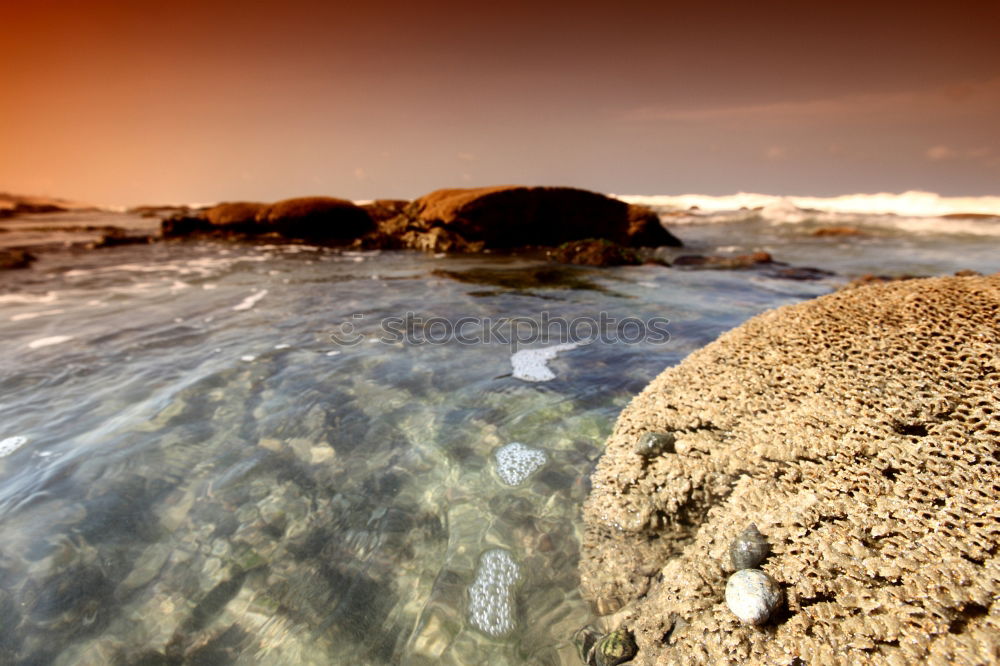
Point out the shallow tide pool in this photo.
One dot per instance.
(195, 470)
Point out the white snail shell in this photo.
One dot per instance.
(753, 596)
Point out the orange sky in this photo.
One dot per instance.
(149, 102)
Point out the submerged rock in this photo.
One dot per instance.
(735, 262)
(594, 252)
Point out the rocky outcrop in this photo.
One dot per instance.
(508, 217)
(455, 220)
(323, 220)
(860, 433)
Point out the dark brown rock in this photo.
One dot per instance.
(506, 217)
(838, 231)
(381, 210)
(594, 252)
(317, 219)
(236, 215)
(735, 262)
(14, 258)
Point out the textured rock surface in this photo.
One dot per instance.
(859, 431)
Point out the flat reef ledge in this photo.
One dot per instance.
(860, 432)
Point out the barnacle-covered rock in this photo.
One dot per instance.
(861, 427)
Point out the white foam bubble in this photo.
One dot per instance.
(530, 364)
(249, 358)
(282, 345)
(49, 341)
(333, 353)
(250, 300)
(491, 595)
(11, 444)
(516, 462)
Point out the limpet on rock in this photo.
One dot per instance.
(753, 596)
(749, 548)
(655, 443)
(616, 647)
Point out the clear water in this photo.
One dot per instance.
(206, 475)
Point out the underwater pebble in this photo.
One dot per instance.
(516, 462)
(752, 595)
(11, 444)
(530, 364)
(491, 595)
(749, 548)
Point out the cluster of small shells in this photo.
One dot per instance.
(751, 594)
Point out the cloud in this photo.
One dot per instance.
(943, 153)
(466, 157)
(967, 98)
(775, 154)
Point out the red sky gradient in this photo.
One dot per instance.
(155, 102)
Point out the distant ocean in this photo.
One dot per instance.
(215, 450)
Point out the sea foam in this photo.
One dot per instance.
(516, 462)
(530, 364)
(491, 595)
(11, 444)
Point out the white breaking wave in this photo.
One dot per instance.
(916, 212)
(910, 204)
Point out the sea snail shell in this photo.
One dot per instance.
(753, 596)
(749, 548)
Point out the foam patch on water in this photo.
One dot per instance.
(491, 595)
(34, 315)
(49, 341)
(250, 300)
(516, 462)
(11, 444)
(530, 364)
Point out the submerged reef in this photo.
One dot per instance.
(860, 432)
